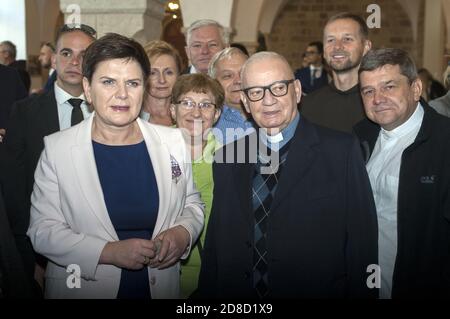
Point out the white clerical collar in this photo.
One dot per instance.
(414, 120)
(62, 96)
(277, 138)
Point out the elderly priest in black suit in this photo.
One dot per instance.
(293, 214)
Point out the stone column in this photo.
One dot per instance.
(139, 19)
(434, 39)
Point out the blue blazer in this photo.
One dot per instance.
(304, 75)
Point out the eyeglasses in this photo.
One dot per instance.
(277, 89)
(307, 53)
(82, 27)
(189, 105)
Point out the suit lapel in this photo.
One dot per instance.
(299, 159)
(160, 158)
(86, 171)
(49, 112)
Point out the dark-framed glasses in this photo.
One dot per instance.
(189, 105)
(81, 27)
(277, 89)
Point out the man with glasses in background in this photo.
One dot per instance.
(314, 76)
(204, 38)
(292, 214)
(36, 117)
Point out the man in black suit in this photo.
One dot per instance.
(314, 76)
(36, 117)
(12, 90)
(407, 147)
(292, 213)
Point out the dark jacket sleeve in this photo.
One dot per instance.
(362, 228)
(207, 286)
(21, 91)
(15, 183)
(13, 281)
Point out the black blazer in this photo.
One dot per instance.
(14, 283)
(31, 120)
(422, 266)
(322, 232)
(12, 90)
(304, 75)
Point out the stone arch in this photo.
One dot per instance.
(300, 22)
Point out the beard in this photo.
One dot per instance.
(347, 65)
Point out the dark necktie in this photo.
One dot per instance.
(77, 114)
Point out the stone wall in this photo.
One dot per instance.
(302, 21)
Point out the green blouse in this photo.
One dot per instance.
(203, 178)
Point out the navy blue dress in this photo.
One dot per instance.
(131, 197)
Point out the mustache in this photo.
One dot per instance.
(345, 53)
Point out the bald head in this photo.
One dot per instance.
(269, 91)
(272, 58)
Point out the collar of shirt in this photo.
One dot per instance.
(193, 70)
(412, 123)
(144, 116)
(277, 141)
(62, 96)
(64, 107)
(230, 113)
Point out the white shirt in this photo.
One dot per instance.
(316, 71)
(144, 116)
(193, 70)
(65, 109)
(384, 169)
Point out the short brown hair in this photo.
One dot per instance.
(157, 48)
(198, 83)
(114, 46)
(375, 59)
(363, 29)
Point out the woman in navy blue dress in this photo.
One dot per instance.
(114, 198)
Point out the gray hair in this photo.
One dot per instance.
(219, 56)
(262, 56)
(203, 23)
(378, 58)
(10, 48)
